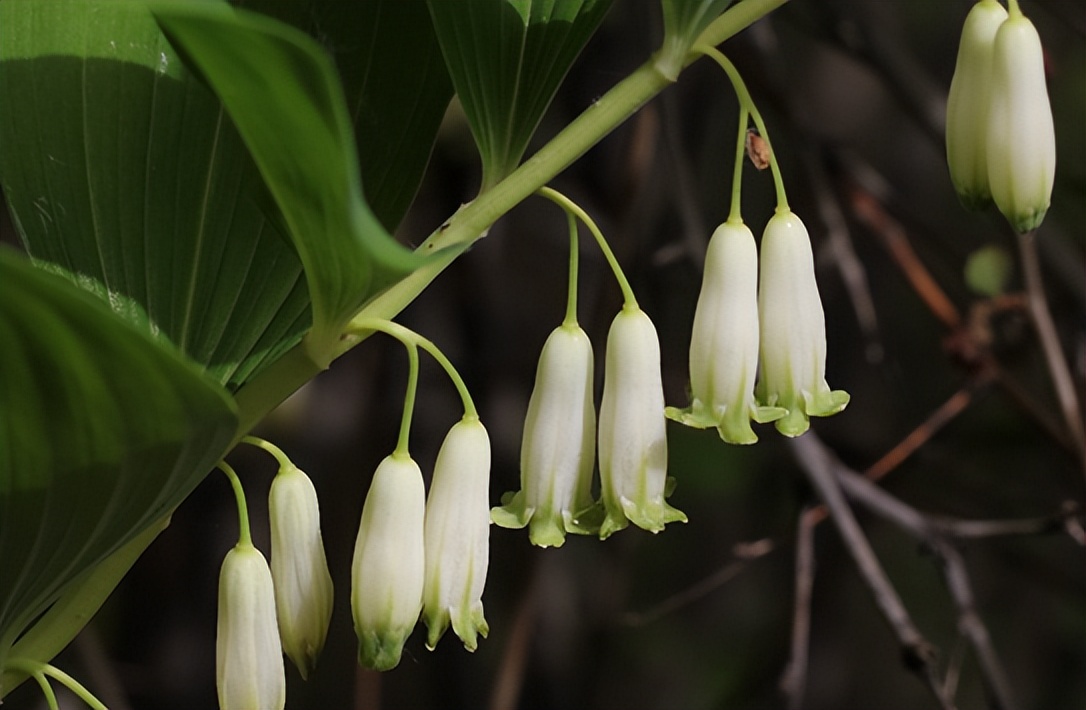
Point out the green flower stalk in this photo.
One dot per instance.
(299, 568)
(632, 429)
(457, 535)
(248, 657)
(1021, 138)
(388, 569)
(724, 342)
(968, 105)
(793, 329)
(558, 450)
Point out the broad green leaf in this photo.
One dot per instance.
(122, 171)
(507, 59)
(684, 21)
(282, 92)
(103, 430)
(395, 83)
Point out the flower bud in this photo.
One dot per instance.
(303, 585)
(968, 105)
(558, 449)
(1021, 137)
(793, 332)
(633, 439)
(724, 342)
(388, 567)
(248, 659)
(458, 535)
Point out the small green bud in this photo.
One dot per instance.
(793, 329)
(968, 105)
(457, 535)
(558, 449)
(303, 585)
(1021, 137)
(248, 658)
(388, 568)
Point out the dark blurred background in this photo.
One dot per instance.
(853, 93)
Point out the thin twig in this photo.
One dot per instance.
(505, 694)
(919, 654)
(1050, 342)
(794, 679)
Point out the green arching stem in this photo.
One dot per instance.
(38, 670)
(281, 457)
(403, 442)
(747, 102)
(361, 327)
(46, 690)
(244, 535)
(1012, 9)
(570, 321)
(735, 214)
(571, 207)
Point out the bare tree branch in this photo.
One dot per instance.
(794, 679)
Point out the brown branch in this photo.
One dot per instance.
(794, 679)
(505, 694)
(919, 654)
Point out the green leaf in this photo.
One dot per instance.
(684, 21)
(123, 172)
(102, 431)
(282, 92)
(395, 83)
(507, 59)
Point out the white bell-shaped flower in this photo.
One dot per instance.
(457, 535)
(388, 569)
(299, 567)
(558, 449)
(793, 329)
(1021, 137)
(248, 658)
(968, 105)
(632, 430)
(724, 341)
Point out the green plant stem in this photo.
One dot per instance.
(295, 368)
(1012, 9)
(39, 670)
(244, 535)
(412, 339)
(735, 214)
(280, 457)
(571, 207)
(747, 102)
(570, 321)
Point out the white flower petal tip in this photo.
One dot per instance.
(968, 103)
(558, 448)
(388, 569)
(248, 657)
(299, 568)
(457, 536)
(632, 430)
(1021, 139)
(793, 329)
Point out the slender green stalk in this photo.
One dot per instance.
(747, 102)
(735, 214)
(244, 535)
(361, 327)
(38, 669)
(281, 457)
(46, 690)
(1012, 9)
(403, 442)
(574, 258)
(571, 207)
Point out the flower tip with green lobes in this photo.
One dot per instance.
(299, 568)
(793, 329)
(968, 104)
(457, 535)
(388, 568)
(632, 428)
(1021, 139)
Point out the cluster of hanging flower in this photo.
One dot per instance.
(1000, 139)
(748, 317)
(560, 438)
(416, 554)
